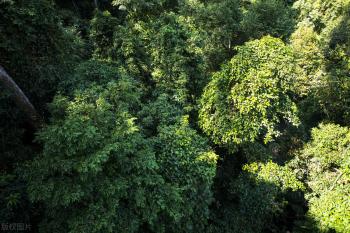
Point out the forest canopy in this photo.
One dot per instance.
(157, 116)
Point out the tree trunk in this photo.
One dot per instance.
(20, 99)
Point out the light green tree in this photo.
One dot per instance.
(251, 96)
(324, 165)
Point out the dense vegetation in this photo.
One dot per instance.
(176, 116)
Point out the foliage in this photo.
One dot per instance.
(93, 159)
(176, 70)
(177, 116)
(215, 26)
(145, 8)
(103, 27)
(97, 163)
(161, 112)
(47, 53)
(89, 73)
(186, 162)
(37, 52)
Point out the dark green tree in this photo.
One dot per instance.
(98, 172)
(267, 17)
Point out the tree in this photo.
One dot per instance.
(176, 69)
(98, 172)
(186, 161)
(215, 27)
(251, 96)
(324, 166)
(267, 17)
(321, 42)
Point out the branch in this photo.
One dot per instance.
(20, 99)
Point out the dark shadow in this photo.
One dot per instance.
(244, 205)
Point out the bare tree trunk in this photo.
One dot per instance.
(96, 4)
(20, 99)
